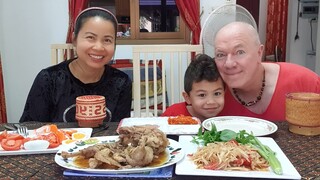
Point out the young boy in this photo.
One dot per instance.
(203, 90)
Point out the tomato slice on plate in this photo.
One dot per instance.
(14, 136)
(52, 138)
(212, 166)
(11, 144)
(3, 135)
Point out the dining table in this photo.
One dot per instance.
(302, 151)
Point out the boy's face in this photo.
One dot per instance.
(206, 99)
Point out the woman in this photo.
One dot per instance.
(57, 87)
(255, 88)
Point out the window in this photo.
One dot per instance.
(147, 21)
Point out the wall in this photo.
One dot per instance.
(298, 51)
(27, 30)
(262, 21)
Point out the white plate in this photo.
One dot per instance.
(162, 123)
(176, 153)
(258, 127)
(187, 167)
(86, 131)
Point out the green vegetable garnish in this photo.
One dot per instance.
(242, 137)
(213, 135)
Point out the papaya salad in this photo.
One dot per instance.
(13, 141)
(228, 150)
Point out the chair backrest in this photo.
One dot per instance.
(164, 79)
(61, 52)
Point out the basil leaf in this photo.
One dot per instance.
(227, 135)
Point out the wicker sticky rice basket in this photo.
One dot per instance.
(303, 113)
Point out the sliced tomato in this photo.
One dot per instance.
(53, 140)
(53, 145)
(14, 136)
(248, 162)
(242, 162)
(59, 134)
(3, 135)
(234, 142)
(212, 166)
(11, 144)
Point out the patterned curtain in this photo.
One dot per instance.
(75, 7)
(190, 13)
(277, 27)
(3, 112)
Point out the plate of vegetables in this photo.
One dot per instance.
(46, 139)
(234, 154)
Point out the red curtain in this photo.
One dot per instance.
(3, 112)
(277, 27)
(75, 7)
(190, 12)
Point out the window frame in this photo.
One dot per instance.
(137, 37)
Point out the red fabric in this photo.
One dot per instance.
(277, 16)
(176, 110)
(190, 12)
(75, 7)
(3, 112)
(292, 78)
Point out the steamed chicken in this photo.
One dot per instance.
(137, 147)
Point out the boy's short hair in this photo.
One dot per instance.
(202, 67)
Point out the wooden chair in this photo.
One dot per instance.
(157, 70)
(61, 52)
(162, 86)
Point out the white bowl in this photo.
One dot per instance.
(36, 145)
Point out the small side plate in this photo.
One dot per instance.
(258, 127)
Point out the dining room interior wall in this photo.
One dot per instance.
(299, 50)
(28, 28)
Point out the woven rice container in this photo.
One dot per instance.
(90, 110)
(303, 113)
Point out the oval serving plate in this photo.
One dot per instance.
(258, 127)
(174, 151)
(162, 124)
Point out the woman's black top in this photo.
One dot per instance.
(55, 89)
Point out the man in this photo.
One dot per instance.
(256, 88)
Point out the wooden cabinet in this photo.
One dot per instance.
(122, 7)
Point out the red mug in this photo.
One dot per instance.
(91, 110)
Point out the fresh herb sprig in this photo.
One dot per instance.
(242, 137)
(213, 136)
(246, 138)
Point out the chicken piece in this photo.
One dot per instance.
(139, 156)
(88, 152)
(119, 156)
(94, 163)
(149, 135)
(105, 156)
(158, 141)
(132, 134)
